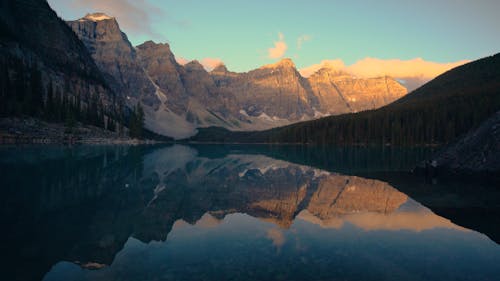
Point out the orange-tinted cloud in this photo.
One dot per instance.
(211, 63)
(208, 63)
(302, 39)
(417, 221)
(412, 73)
(417, 67)
(181, 60)
(279, 49)
(333, 64)
(276, 236)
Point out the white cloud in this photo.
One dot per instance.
(302, 39)
(412, 73)
(279, 49)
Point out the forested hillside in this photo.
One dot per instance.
(46, 72)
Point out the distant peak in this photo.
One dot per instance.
(332, 67)
(220, 68)
(286, 63)
(97, 17)
(148, 44)
(332, 71)
(194, 65)
(151, 44)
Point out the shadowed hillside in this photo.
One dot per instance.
(46, 71)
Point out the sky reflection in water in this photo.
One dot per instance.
(176, 214)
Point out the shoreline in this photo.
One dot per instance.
(31, 131)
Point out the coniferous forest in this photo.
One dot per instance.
(23, 93)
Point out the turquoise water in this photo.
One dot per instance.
(239, 213)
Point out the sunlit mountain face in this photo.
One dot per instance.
(218, 213)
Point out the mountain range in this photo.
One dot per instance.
(178, 99)
(437, 113)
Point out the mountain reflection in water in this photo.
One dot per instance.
(177, 213)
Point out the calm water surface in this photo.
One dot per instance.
(239, 213)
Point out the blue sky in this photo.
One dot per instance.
(241, 33)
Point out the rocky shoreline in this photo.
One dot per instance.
(35, 131)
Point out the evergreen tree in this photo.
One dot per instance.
(101, 115)
(36, 106)
(70, 121)
(136, 122)
(78, 107)
(4, 90)
(20, 89)
(58, 108)
(49, 104)
(110, 125)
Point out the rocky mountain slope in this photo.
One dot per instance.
(276, 91)
(477, 151)
(181, 98)
(340, 92)
(116, 57)
(279, 91)
(37, 49)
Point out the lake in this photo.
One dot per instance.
(213, 212)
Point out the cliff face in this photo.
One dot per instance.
(342, 93)
(190, 93)
(279, 91)
(202, 89)
(159, 63)
(115, 56)
(276, 90)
